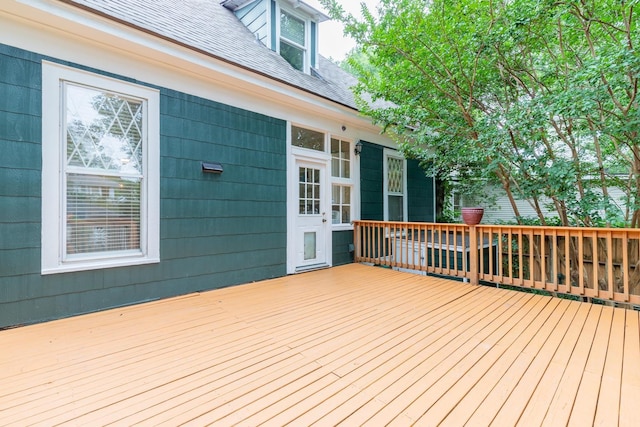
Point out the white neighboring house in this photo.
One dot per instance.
(497, 208)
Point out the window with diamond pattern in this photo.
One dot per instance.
(103, 170)
(395, 188)
(100, 171)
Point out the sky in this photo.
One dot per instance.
(332, 43)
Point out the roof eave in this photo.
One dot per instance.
(200, 51)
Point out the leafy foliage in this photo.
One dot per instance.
(536, 96)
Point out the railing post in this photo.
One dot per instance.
(473, 255)
(356, 242)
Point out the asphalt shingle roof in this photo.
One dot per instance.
(208, 27)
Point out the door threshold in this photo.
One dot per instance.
(311, 268)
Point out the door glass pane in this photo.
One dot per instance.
(309, 191)
(309, 246)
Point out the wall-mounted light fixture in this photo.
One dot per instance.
(212, 167)
(358, 148)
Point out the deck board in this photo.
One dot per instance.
(352, 345)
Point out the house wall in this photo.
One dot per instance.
(420, 188)
(216, 230)
(371, 182)
(502, 212)
(421, 193)
(341, 247)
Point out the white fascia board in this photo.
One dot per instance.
(72, 34)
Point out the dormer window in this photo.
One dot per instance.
(293, 40)
(289, 27)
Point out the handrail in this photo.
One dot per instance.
(600, 263)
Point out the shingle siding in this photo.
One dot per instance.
(420, 190)
(371, 182)
(342, 242)
(215, 230)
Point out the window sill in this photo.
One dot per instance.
(74, 266)
(341, 227)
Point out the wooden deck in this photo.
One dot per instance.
(353, 345)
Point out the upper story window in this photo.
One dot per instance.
(293, 34)
(289, 27)
(100, 172)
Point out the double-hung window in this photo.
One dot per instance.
(395, 186)
(293, 40)
(341, 182)
(100, 178)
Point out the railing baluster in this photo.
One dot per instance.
(543, 259)
(553, 260)
(499, 254)
(626, 266)
(595, 266)
(480, 248)
(567, 263)
(581, 262)
(434, 248)
(609, 266)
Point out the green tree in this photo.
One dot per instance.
(536, 96)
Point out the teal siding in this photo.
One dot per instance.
(342, 244)
(216, 230)
(371, 182)
(20, 166)
(419, 187)
(420, 191)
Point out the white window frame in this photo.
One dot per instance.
(388, 153)
(53, 175)
(344, 182)
(307, 36)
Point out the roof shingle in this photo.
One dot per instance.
(208, 27)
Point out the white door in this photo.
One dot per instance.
(311, 219)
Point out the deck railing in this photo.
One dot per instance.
(600, 263)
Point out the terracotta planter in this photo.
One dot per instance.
(472, 216)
